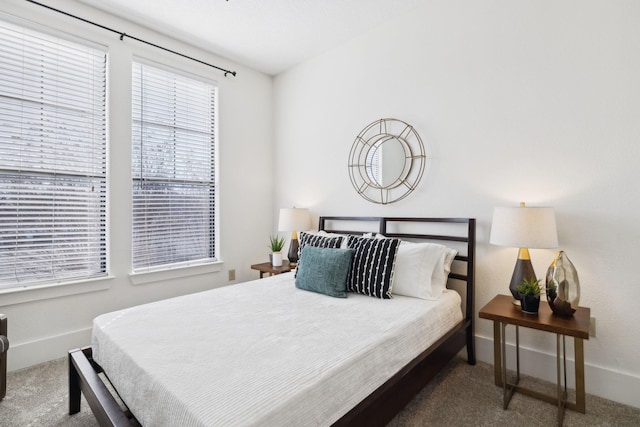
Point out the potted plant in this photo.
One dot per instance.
(529, 291)
(276, 243)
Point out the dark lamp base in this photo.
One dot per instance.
(293, 251)
(523, 271)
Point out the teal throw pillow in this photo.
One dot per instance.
(324, 270)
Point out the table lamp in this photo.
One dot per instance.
(294, 220)
(523, 227)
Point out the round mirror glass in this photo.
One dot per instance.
(386, 162)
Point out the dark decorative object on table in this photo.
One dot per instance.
(522, 272)
(4, 347)
(563, 286)
(529, 291)
(294, 247)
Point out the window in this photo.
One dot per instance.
(173, 162)
(52, 159)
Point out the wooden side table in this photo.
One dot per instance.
(503, 312)
(266, 267)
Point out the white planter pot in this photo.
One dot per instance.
(276, 259)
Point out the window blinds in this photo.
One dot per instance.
(173, 140)
(52, 159)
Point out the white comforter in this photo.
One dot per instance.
(262, 353)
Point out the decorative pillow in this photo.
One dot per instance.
(343, 245)
(418, 267)
(319, 241)
(372, 266)
(316, 241)
(324, 270)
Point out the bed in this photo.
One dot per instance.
(281, 355)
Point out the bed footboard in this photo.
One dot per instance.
(83, 378)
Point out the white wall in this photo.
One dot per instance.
(45, 323)
(527, 100)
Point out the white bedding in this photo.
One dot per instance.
(262, 353)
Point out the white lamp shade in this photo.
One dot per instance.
(294, 219)
(524, 227)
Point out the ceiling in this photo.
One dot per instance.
(267, 35)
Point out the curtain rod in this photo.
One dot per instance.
(123, 35)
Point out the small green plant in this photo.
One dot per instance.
(276, 243)
(530, 286)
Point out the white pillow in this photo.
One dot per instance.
(449, 256)
(441, 273)
(419, 270)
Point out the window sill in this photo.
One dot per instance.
(142, 278)
(25, 294)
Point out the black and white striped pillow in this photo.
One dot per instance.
(316, 241)
(372, 266)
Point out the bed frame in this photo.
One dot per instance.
(391, 397)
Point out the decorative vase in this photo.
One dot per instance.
(276, 259)
(563, 286)
(530, 303)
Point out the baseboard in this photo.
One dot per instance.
(599, 381)
(31, 353)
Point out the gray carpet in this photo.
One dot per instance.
(37, 396)
(461, 395)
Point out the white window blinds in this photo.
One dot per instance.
(173, 163)
(52, 159)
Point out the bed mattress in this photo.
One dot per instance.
(262, 353)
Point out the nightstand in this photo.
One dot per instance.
(266, 267)
(503, 312)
